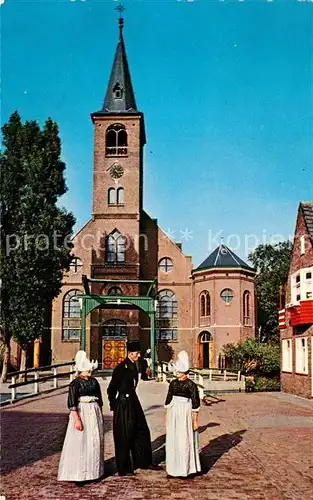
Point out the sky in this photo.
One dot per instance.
(226, 89)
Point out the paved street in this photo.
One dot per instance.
(254, 446)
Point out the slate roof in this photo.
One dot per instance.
(307, 209)
(223, 256)
(120, 75)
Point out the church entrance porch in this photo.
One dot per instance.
(114, 332)
(205, 350)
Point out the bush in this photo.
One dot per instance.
(255, 358)
(264, 384)
(270, 359)
(250, 385)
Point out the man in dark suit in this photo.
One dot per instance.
(130, 429)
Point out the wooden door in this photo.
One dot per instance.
(211, 354)
(206, 355)
(200, 356)
(205, 350)
(114, 351)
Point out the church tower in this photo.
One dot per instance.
(119, 138)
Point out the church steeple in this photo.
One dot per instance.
(120, 96)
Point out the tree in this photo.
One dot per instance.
(252, 356)
(36, 233)
(272, 263)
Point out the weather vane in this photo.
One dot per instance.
(120, 9)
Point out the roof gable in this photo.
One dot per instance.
(307, 210)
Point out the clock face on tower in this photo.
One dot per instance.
(116, 171)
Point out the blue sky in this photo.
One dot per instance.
(226, 88)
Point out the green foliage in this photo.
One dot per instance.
(250, 385)
(252, 356)
(262, 384)
(272, 263)
(270, 359)
(36, 233)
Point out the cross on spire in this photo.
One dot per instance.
(120, 96)
(120, 9)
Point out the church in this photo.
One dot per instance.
(123, 260)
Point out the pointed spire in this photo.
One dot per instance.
(120, 96)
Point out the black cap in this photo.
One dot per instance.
(133, 346)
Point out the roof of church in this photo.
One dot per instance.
(120, 97)
(307, 209)
(223, 256)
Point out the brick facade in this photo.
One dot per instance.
(146, 245)
(225, 325)
(292, 382)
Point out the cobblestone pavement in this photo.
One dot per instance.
(254, 446)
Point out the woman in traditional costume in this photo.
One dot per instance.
(182, 406)
(82, 457)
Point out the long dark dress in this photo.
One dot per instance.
(130, 430)
(82, 457)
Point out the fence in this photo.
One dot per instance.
(163, 373)
(207, 380)
(225, 375)
(38, 379)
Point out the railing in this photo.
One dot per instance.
(37, 379)
(116, 151)
(206, 380)
(224, 375)
(163, 373)
(198, 382)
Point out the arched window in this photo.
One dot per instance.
(112, 196)
(116, 140)
(71, 321)
(76, 265)
(122, 138)
(115, 290)
(120, 196)
(166, 315)
(114, 328)
(246, 307)
(110, 138)
(116, 248)
(202, 305)
(166, 265)
(227, 295)
(205, 304)
(208, 305)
